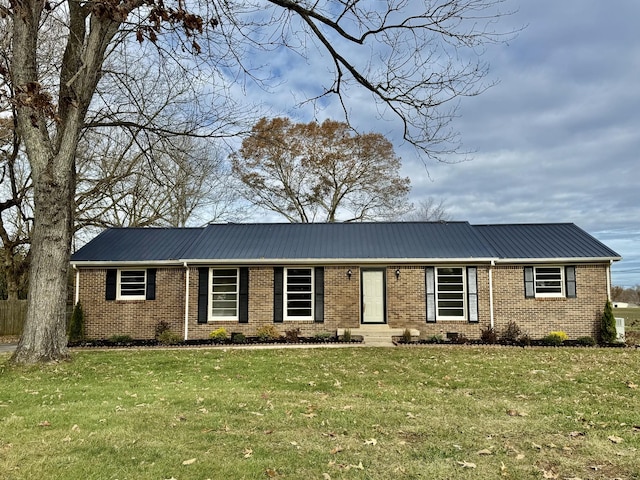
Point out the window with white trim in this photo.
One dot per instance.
(224, 294)
(450, 293)
(132, 284)
(298, 293)
(549, 281)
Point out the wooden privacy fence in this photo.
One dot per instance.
(12, 315)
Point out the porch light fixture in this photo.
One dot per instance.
(397, 273)
(349, 273)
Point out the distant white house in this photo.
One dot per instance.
(620, 305)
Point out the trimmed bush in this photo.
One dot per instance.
(167, 337)
(219, 335)
(585, 341)
(555, 338)
(238, 338)
(121, 339)
(268, 333)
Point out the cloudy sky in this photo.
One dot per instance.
(555, 140)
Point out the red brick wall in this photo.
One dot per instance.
(136, 318)
(537, 317)
(405, 299)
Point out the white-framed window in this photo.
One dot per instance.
(224, 294)
(549, 281)
(450, 293)
(132, 284)
(298, 293)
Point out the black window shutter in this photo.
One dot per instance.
(318, 306)
(151, 284)
(430, 284)
(111, 284)
(570, 280)
(278, 298)
(203, 294)
(529, 283)
(243, 309)
(472, 294)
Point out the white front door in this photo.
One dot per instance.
(373, 296)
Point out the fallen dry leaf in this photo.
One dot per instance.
(576, 434)
(337, 449)
(247, 453)
(484, 451)
(191, 461)
(549, 474)
(614, 439)
(271, 472)
(326, 476)
(466, 464)
(632, 385)
(371, 441)
(45, 423)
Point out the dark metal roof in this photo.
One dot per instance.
(544, 241)
(137, 245)
(282, 242)
(406, 240)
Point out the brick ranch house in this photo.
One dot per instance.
(436, 278)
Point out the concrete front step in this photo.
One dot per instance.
(378, 335)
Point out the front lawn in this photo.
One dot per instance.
(429, 412)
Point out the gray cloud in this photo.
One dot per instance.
(556, 140)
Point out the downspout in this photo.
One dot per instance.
(491, 293)
(77, 286)
(609, 280)
(186, 302)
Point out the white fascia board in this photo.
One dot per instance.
(112, 264)
(553, 260)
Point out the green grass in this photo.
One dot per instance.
(351, 413)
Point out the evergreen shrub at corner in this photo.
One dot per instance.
(608, 325)
(76, 324)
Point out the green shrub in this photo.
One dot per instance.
(608, 325)
(586, 341)
(76, 324)
(511, 333)
(238, 337)
(167, 337)
(121, 339)
(322, 337)
(219, 335)
(346, 335)
(555, 338)
(435, 339)
(268, 333)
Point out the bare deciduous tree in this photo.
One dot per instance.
(411, 67)
(429, 210)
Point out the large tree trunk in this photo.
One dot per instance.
(44, 338)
